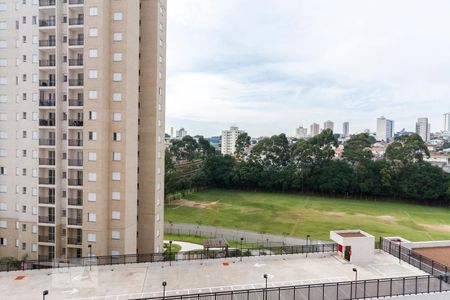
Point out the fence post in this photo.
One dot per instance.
(337, 290)
(378, 288)
(416, 286)
(390, 288)
(428, 284)
(403, 286)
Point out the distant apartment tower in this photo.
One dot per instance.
(82, 92)
(385, 129)
(447, 122)
(229, 138)
(346, 129)
(423, 129)
(314, 129)
(328, 125)
(181, 133)
(301, 132)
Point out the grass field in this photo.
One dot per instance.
(298, 215)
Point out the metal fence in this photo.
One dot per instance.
(362, 289)
(419, 261)
(164, 257)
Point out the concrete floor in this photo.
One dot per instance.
(144, 280)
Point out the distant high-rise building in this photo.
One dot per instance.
(229, 138)
(447, 122)
(181, 133)
(315, 129)
(423, 129)
(345, 129)
(171, 133)
(385, 129)
(328, 125)
(301, 132)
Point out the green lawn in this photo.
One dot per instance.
(298, 215)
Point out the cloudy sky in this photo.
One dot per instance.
(269, 66)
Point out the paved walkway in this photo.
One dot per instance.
(185, 246)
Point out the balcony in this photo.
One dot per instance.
(75, 201)
(75, 221)
(47, 142)
(47, 220)
(45, 258)
(76, 2)
(47, 2)
(47, 63)
(43, 180)
(75, 182)
(76, 42)
(75, 143)
(47, 102)
(76, 82)
(74, 241)
(46, 239)
(75, 62)
(76, 102)
(47, 43)
(47, 83)
(76, 21)
(75, 162)
(47, 23)
(46, 200)
(76, 123)
(47, 161)
(47, 122)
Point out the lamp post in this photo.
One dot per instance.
(307, 244)
(242, 239)
(356, 285)
(90, 257)
(265, 276)
(170, 253)
(44, 293)
(164, 289)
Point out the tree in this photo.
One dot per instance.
(356, 148)
(407, 149)
(242, 143)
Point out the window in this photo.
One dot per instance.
(117, 117)
(117, 36)
(24, 246)
(92, 135)
(115, 196)
(117, 97)
(93, 74)
(3, 224)
(116, 136)
(3, 117)
(3, 241)
(92, 237)
(115, 176)
(3, 206)
(92, 156)
(117, 56)
(3, 25)
(34, 229)
(3, 80)
(33, 247)
(92, 95)
(115, 215)
(3, 99)
(92, 177)
(93, 11)
(93, 53)
(92, 115)
(93, 32)
(115, 235)
(117, 77)
(92, 217)
(34, 210)
(3, 171)
(3, 188)
(3, 62)
(24, 227)
(118, 16)
(3, 7)
(116, 156)
(92, 197)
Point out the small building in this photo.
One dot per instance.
(216, 248)
(355, 246)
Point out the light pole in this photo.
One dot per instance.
(164, 289)
(307, 243)
(265, 290)
(170, 253)
(242, 239)
(356, 284)
(90, 257)
(44, 293)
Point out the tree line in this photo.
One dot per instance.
(311, 166)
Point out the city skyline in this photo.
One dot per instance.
(224, 78)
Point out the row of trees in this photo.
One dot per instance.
(311, 166)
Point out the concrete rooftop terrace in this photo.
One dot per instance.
(190, 277)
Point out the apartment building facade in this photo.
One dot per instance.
(229, 138)
(82, 89)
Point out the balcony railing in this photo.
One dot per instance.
(47, 23)
(76, 62)
(47, 142)
(76, 123)
(76, 102)
(74, 241)
(47, 220)
(75, 143)
(46, 200)
(76, 21)
(75, 221)
(47, 102)
(75, 201)
(47, 43)
(75, 162)
(75, 182)
(47, 161)
(46, 239)
(76, 1)
(47, 2)
(47, 63)
(47, 82)
(43, 180)
(76, 82)
(76, 42)
(47, 122)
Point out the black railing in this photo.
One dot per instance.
(76, 123)
(46, 239)
(47, 102)
(75, 143)
(419, 261)
(46, 200)
(47, 63)
(43, 180)
(75, 182)
(74, 221)
(76, 1)
(361, 289)
(47, 220)
(47, 161)
(75, 201)
(76, 21)
(47, 82)
(76, 102)
(47, 43)
(47, 122)
(74, 241)
(76, 42)
(47, 2)
(75, 62)
(76, 82)
(47, 142)
(47, 23)
(75, 162)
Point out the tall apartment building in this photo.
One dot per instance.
(82, 101)
(423, 129)
(181, 133)
(328, 125)
(314, 129)
(385, 129)
(447, 122)
(301, 132)
(345, 129)
(229, 138)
